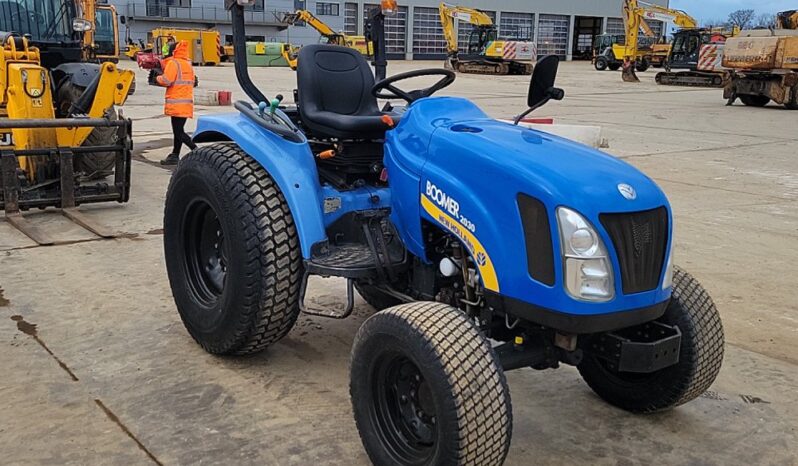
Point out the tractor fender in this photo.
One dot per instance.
(290, 164)
(80, 74)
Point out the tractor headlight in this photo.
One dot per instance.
(587, 268)
(667, 282)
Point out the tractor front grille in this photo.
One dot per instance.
(640, 240)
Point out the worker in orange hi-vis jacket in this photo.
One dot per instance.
(178, 79)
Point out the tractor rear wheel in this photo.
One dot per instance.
(427, 388)
(96, 165)
(754, 100)
(700, 357)
(232, 251)
(642, 65)
(614, 66)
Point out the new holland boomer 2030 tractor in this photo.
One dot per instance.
(484, 245)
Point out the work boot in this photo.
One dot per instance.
(170, 159)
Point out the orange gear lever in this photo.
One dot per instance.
(388, 121)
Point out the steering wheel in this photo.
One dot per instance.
(393, 92)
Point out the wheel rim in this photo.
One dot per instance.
(404, 410)
(205, 253)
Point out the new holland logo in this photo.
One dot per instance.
(627, 191)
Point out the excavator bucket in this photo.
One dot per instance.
(628, 73)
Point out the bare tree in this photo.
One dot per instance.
(763, 21)
(741, 18)
(714, 23)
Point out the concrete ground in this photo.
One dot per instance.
(98, 369)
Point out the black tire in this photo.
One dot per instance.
(232, 251)
(754, 100)
(427, 388)
(792, 104)
(96, 165)
(374, 297)
(614, 66)
(700, 357)
(601, 64)
(642, 65)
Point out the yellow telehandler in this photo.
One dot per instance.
(61, 135)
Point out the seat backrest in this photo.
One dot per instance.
(335, 79)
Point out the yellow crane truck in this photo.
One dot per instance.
(764, 68)
(60, 133)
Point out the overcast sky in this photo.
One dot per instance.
(717, 9)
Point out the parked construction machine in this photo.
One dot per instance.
(328, 35)
(787, 20)
(205, 46)
(485, 54)
(102, 40)
(696, 54)
(763, 65)
(60, 133)
(629, 55)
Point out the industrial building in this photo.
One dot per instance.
(563, 27)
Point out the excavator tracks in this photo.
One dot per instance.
(692, 79)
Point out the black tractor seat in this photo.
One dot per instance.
(335, 99)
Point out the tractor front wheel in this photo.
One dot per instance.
(601, 64)
(700, 357)
(427, 388)
(232, 251)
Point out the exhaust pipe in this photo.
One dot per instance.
(236, 8)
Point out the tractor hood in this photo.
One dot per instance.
(468, 173)
(533, 162)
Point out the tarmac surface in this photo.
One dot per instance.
(98, 369)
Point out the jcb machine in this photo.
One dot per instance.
(764, 64)
(102, 40)
(486, 54)
(60, 134)
(328, 36)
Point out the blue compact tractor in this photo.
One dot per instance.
(485, 247)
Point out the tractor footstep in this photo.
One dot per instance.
(350, 301)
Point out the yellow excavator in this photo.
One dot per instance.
(787, 20)
(328, 36)
(628, 55)
(60, 133)
(486, 54)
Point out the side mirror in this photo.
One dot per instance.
(123, 19)
(541, 88)
(543, 78)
